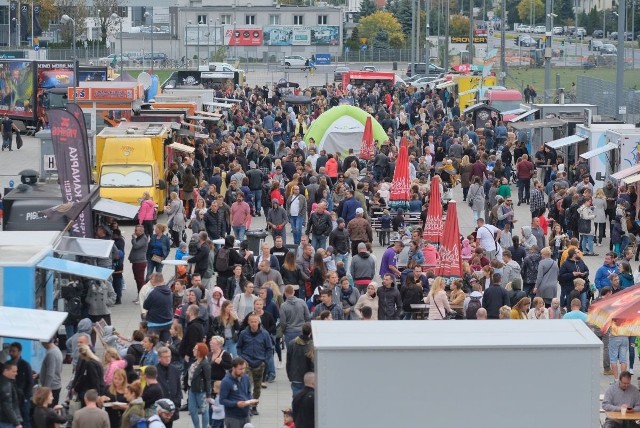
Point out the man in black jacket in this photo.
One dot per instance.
(255, 185)
(215, 222)
(23, 382)
(303, 404)
(159, 307)
(9, 401)
(319, 226)
(201, 258)
(574, 267)
(495, 297)
(193, 334)
(299, 361)
(169, 380)
(234, 258)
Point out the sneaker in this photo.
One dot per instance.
(137, 302)
(264, 385)
(607, 372)
(254, 411)
(280, 365)
(631, 371)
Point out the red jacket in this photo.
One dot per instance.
(524, 169)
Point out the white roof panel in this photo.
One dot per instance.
(452, 335)
(523, 115)
(595, 152)
(632, 179)
(30, 324)
(566, 141)
(626, 172)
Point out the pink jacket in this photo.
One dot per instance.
(111, 369)
(146, 211)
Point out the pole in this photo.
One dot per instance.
(471, 32)
(121, 53)
(633, 33)
(548, 54)
(75, 60)
(31, 23)
(427, 44)
(198, 44)
(186, 45)
(446, 39)
(152, 57)
(417, 30)
(413, 37)
(503, 56)
(622, 20)
(208, 40)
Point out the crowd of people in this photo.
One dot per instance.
(215, 327)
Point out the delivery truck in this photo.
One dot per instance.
(132, 159)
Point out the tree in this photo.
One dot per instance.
(459, 26)
(367, 7)
(524, 10)
(564, 10)
(404, 15)
(103, 10)
(76, 9)
(391, 6)
(354, 40)
(381, 40)
(369, 26)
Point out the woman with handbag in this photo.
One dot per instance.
(439, 308)
(586, 215)
(158, 249)
(475, 198)
(175, 212)
(100, 297)
(89, 373)
(199, 384)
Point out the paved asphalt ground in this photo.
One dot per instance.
(126, 316)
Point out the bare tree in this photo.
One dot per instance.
(103, 9)
(76, 9)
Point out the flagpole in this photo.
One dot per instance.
(31, 23)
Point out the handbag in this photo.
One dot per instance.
(74, 405)
(448, 315)
(584, 226)
(156, 258)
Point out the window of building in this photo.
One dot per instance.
(298, 20)
(202, 19)
(225, 19)
(122, 11)
(274, 19)
(322, 19)
(250, 19)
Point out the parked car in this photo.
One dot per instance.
(294, 61)
(108, 60)
(414, 78)
(421, 68)
(558, 31)
(598, 34)
(581, 32)
(524, 29)
(608, 49)
(525, 40)
(614, 36)
(338, 72)
(369, 68)
(595, 45)
(540, 29)
(423, 81)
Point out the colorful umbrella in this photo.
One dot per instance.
(400, 187)
(619, 312)
(366, 146)
(433, 224)
(449, 260)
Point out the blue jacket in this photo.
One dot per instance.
(349, 207)
(159, 306)
(164, 244)
(233, 390)
(254, 347)
(602, 276)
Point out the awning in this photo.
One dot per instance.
(595, 152)
(626, 172)
(632, 179)
(87, 247)
(539, 123)
(30, 324)
(447, 84)
(182, 147)
(524, 115)
(468, 91)
(112, 208)
(566, 141)
(75, 268)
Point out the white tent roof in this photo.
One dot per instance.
(31, 324)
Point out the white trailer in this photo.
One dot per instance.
(456, 373)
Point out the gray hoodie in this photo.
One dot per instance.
(363, 266)
(527, 238)
(294, 312)
(84, 327)
(510, 271)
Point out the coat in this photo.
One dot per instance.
(547, 280)
(147, 211)
(100, 297)
(476, 194)
(465, 176)
(176, 217)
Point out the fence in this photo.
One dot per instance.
(590, 90)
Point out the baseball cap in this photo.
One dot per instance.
(164, 404)
(359, 211)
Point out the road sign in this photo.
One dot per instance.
(323, 59)
(36, 47)
(622, 109)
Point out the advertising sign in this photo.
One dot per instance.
(103, 94)
(16, 88)
(242, 36)
(323, 59)
(297, 35)
(92, 74)
(476, 39)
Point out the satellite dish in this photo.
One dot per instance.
(144, 79)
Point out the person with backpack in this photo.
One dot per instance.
(225, 259)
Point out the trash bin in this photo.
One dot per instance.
(253, 239)
(395, 66)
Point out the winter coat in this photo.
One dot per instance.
(476, 194)
(566, 277)
(530, 268)
(100, 296)
(147, 211)
(176, 217)
(547, 279)
(389, 303)
(299, 361)
(138, 253)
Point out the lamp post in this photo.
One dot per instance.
(186, 44)
(14, 20)
(198, 55)
(215, 38)
(235, 42)
(147, 15)
(622, 21)
(65, 19)
(116, 17)
(548, 53)
(209, 39)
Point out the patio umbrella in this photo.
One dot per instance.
(400, 187)
(433, 225)
(449, 260)
(366, 146)
(620, 312)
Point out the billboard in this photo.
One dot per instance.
(92, 74)
(302, 35)
(242, 36)
(16, 88)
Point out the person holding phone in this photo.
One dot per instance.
(235, 395)
(621, 397)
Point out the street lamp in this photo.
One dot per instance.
(118, 18)
(147, 15)
(65, 19)
(14, 20)
(209, 40)
(186, 44)
(548, 54)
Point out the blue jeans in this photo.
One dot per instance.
(345, 259)
(618, 349)
(632, 351)
(270, 369)
(151, 266)
(25, 411)
(257, 199)
(318, 241)
(587, 243)
(198, 409)
(296, 387)
(239, 232)
(230, 347)
(217, 423)
(296, 228)
(289, 335)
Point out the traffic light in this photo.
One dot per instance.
(562, 43)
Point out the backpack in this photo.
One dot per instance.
(222, 260)
(74, 308)
(193, 245)
(472, 308)
(138, 422)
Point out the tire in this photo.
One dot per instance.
(287, 64)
